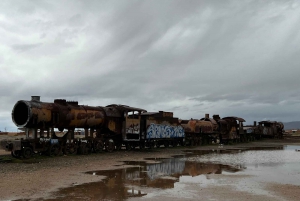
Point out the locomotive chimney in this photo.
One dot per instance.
(216, 117)
(254, 123)
(35, 98)
(207, 116)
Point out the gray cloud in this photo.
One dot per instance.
(24, 47)
(190, 57)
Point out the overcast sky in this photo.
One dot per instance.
(233, 58)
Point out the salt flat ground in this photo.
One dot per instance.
(48, 177)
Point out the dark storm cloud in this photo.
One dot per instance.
(190, 57)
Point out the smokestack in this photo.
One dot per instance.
(207, 116)
(216, 117)
(254, 123)
(35, 98)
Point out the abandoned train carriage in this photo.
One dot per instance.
(163, 129)
(114, 126)
(200, 132)
(270, 129)
(149, 129)
(234, 131)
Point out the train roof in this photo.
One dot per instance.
(126, 108)
(236, 118)
(270, 122)
(150, 113)
(209, 119)
(159, 114)
(248, 127)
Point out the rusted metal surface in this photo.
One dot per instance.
(125, 108)
(60, 114)
(213, 122)
(223, 127)
(232, 125)
(198, 131)
(105, 124)
(236, 118)
(208, 130)
(160, 117)
(230, 128)
(198, 126)
(272, 129)
(114, 126)
(11, 145)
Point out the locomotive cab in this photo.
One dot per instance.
(132, 125)
(270, 129)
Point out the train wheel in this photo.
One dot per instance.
(150, 145)
(27, 152)
(192, 142)
(196, 141)
(98, 146)
(16, 154)
(128, 147)
(157, 144)
(71, 149)
(142, 145)
(88, 148)
(174, 143)
(166, 144)
(82, 148)
(118, 146)
(85, 148)
(109, 145)
(199, 141)
(53, 150)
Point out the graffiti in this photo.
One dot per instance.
(53, 141)
(44, 139)
(167, 168)
(133, 129)
(265, 131)
(164, 131)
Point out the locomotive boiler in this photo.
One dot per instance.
(200, 132)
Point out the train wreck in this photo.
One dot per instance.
(114, 126)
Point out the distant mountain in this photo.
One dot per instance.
(291, 125)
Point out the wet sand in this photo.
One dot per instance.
(45, 176)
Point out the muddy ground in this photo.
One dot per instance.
(40, 177)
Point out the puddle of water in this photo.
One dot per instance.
(277, 164)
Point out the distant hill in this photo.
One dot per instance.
(291, 125)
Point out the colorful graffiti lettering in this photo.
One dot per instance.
(164, 131)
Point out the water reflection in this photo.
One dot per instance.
(111, 188)
(193, 167)
(124, 183)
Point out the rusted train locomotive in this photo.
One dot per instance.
(115, 126)
(106, 128)
(208, 130)
(270, 129)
